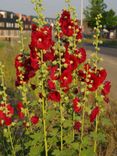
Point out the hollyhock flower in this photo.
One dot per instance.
(53, 70)
(34, 27)
(77, 125)
(92, 82)
(2, 115)
(101, 74)
(20, 106)
(34, 59)
(106, 89)
(51, 84)
(7, 121)
(49, 56)
(76, 108)
(42, 39)
(65, 17)
(71, 61)
(19, 60)
(94, 114)
(34, 119)
(106, 99)
(68, 28)
(10, 110)
(54, 96)
(65, 78)
(81, 55)
(21, 115)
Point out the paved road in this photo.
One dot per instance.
(110, 63)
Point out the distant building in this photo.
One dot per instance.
(9, 26)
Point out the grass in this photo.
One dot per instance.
(8, 52)
(110, 43)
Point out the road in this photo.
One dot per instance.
(110, 64)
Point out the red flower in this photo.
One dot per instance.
(68, 28)
(77, 125)
(19, 106)
(81, 55)
(101, 74)
(106, 89)
(21, 115)
(54, 96)
(8, 121)
(65, 17)
(76, 108)
(53, 70)
(71, 61)
(51, 84)
(49, 56)
(2, 115)
(10, 110)
(79, 35)
(34, 119)
(93, 82)
(42, 39)
(94, 114)
(65, 78)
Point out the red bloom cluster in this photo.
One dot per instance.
(77, 125)
(106, 89)
(94, 114)
(26, 68)
(41, 38)
(76, 108)
(19, 109)
(68, 26)
(34, 120)
(6, 114)
(93, 78)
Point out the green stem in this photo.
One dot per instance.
(44, 127)
(44, 113)
(61, 106)
(95, 142)
(61, 112)
(11, 141)
(82, 128)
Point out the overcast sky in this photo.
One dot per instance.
(52, 6)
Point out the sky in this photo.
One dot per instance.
(52, 7)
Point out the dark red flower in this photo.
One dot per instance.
(49, 56)
(51, 84)
(77, 125)
(81, 55)
(71, 61)
(68, 28)
(65, 17)
(94, 114)
(21, 115)
(101, 74)
(53, 70)
(2, 115)
(7, 121)
(42, 38)
(106, 89)
(54, 96)
(10, 110)
(19, 106)
(65, 78)
(34, 119)
(76, 108)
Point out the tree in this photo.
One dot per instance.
(96, 7)
(109, 19)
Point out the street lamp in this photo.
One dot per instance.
(82, 13)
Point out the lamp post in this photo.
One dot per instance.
(82, 13)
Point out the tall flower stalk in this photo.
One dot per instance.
(97, 49)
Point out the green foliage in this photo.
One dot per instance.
(96, 7)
